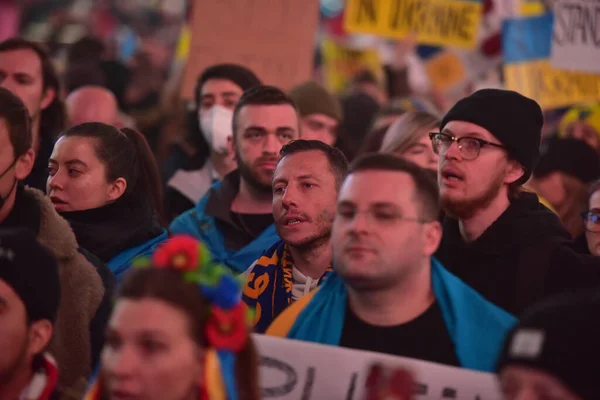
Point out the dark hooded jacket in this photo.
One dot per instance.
(524, 256)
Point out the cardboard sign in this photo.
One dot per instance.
(527, 67)
(576, 35)
(435, 22)
(273, 38)
(341, 63)
(291, 369)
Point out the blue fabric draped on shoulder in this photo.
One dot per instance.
(120, 263)
(203, 227)
(476, 326)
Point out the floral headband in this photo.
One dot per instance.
(227, 329)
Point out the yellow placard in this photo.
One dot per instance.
(183, 45)
(531, 8)
(549, 86)
(341, 63)
(445, 70)
(435, 22)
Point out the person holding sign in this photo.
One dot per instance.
(235, 217)
(498, 238)
(387, 293)
(305, 187)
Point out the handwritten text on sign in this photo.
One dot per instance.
(576, 35)
(549, 86)
(435, 22)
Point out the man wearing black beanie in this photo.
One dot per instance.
(29, 299)
(217, 92)
(498, 238)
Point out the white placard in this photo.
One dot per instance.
(576, 35)
(291, 369)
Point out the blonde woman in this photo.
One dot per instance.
(408, 138)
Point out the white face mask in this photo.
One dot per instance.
(216, 127)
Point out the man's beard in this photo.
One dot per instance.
(251, 179)
(465, 208)
(324, 222)
(16, 366)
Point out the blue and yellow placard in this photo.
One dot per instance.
(527, 67)
(435, 22)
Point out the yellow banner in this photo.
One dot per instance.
(341, 63)
(551, 87)
(435, 22)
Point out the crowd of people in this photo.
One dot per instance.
(465, 239)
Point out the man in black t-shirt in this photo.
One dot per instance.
(388, 295)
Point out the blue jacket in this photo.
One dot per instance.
(476, 326)
(120, 263)
(197, 223)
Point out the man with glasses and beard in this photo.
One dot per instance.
(498, 238)
(234, 219)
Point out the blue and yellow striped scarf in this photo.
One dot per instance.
(269, 287)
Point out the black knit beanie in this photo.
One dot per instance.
(237, 74)
(31, 271)
(560, 337)
(515, 120)
(570, 156)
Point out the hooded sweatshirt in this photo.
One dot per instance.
(523, 257)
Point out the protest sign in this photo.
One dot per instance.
(273, 38)
(527, 67)
(291, 369)
(576, 35)
(434, 22)
(341, 63)
(445, 70)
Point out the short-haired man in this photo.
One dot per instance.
(305, 187)
(497, 238)
(27, 71)
(387, 293)
(92, 104)
(217, 92)
(84, 306)
(234, 219)
(29, 298)
(320, 112)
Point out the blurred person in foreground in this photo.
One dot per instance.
(562, 176)
(29, 298)
(27, 71)
(388, 294)
(217, 92)
(498, 238)
(235, 217)
(591, 221)
(85, 288)
(305, 187)
(178, 331)
(320, 112)
(553, 352)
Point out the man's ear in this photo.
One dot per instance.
(24, 165)
(514, 171)
(40, 334)
(49, 96)
(231, 145)
(433, 236)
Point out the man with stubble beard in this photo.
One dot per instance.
(234, 219)
(498, 238)
(305, 187)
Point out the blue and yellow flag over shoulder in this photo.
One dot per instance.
(527, 68)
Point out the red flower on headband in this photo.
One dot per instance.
(180, 253)
(226, 329)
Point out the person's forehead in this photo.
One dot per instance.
(269, 116)
(322, 118)
(220, 85)
(376, 186)
(8, 294)
(463, 128)
(595, 200)
(21, 61)
(311, 162)
(147, 313)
